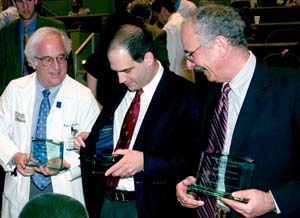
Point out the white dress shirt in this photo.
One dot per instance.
(128, 183)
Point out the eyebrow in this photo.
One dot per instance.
(46, 56)
(124, 70)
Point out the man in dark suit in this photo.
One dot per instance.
(12, 40)
(263, 120)
(166, 131)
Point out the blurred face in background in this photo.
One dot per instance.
(76, 3)
(26, 9)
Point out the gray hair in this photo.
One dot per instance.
(218, 20)
(39, 35)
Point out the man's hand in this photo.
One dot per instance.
(259, 202)
(48, 172)
(79, 140)
(185, 199)
(19, 160)
(131, 163)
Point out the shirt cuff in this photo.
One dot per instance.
(277, 210)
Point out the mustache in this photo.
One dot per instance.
(199, 69)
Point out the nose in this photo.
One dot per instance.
(55, 64)
(25, 4)
(121, 76)
(190, 65)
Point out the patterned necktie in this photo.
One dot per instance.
(125, 136)
(25, 35)
(215, 145)
(40, 152)
(26, 68)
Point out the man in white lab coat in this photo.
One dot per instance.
(73, 108)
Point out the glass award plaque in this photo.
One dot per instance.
(47, 153)
(100, 163)
(223, 175)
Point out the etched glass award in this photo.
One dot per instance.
(103, 159)
(100, 163)
(46, 153)
(223, 175)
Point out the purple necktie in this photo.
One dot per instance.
(215, 145)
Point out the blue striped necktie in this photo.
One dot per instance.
(215, 145)
(40, 153)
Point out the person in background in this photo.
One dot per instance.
(164, 11)
(142, 183)
(8, 13)
(263, 116)
(72, 108)
(142, 10)
(78, 9)
(13, 37)
(54, 205)
(185, 7)
(293, 3)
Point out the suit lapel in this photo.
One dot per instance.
(157, 100)
(106, 113)
(254, 101)
(18, 61)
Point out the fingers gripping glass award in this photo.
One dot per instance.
(219, 175)
(223, 175)
(52, 158)
(103, 159)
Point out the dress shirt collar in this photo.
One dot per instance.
(53, 91)
(240, 83)
(150, 88)
(31, 27)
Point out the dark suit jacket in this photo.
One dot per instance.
(168, 137)
(267, 130)
(10, 48)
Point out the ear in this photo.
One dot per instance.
(149, 58)
(32, 63)
(164, 10)
(222, 44)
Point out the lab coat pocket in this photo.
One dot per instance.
(73, 159)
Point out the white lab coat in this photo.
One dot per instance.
(78, 108)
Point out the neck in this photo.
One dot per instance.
(27, 22)
(240, 57)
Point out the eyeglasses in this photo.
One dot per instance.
(189, 55)
(48, 60)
